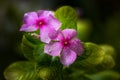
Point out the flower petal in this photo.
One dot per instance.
(53, 34)
(53, 48)
(53, 22)
(30, 18)
(67, 57)
(77, 46)
(46, 33)
(28, 28)
(44, 13)
(50, 19)
(58, 36)
(69, 33)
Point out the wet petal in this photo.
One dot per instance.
(53, 48)
(30, 18)
(44, 13)
(69, 33)
(77, 46)
(28, 28)
(67, 57)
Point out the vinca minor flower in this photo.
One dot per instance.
(43, 20)
(66, 45)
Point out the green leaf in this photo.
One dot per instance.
(109, 50)
(27, 47)
(40, 56)
(68, 16)
(107, 63)
(50, 73)
(105, 75)
(32, 39)
(22, 70)
(92, 56)
(33, 50)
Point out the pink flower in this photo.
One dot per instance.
(66, 45)
(43, 20)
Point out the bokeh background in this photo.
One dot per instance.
(102, 16)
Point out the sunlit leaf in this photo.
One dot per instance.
(68, 16)
(22, 70)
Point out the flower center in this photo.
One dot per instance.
(40, 23)
(65, 42)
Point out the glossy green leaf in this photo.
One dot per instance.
(22, 70)
(68, 16)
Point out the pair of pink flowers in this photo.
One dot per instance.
(57, 43)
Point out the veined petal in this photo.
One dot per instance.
(44, 13)
(28, 28)
(30, 18)
(53, 48)
(67, 57)
(69, 33)
(77, 46)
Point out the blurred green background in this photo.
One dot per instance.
(102, 16)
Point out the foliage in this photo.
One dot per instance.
(41, 66)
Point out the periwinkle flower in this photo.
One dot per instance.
(43, 20)
(66, 45)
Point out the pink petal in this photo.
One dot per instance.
(67, 57)
(59, 36)
(53, 34)
(53, 48)
(77, 46)
(53, 22)
(28, 28)
(49, 18)
(69, 33)
(44, 13)
(30, 18)
(46, 33)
